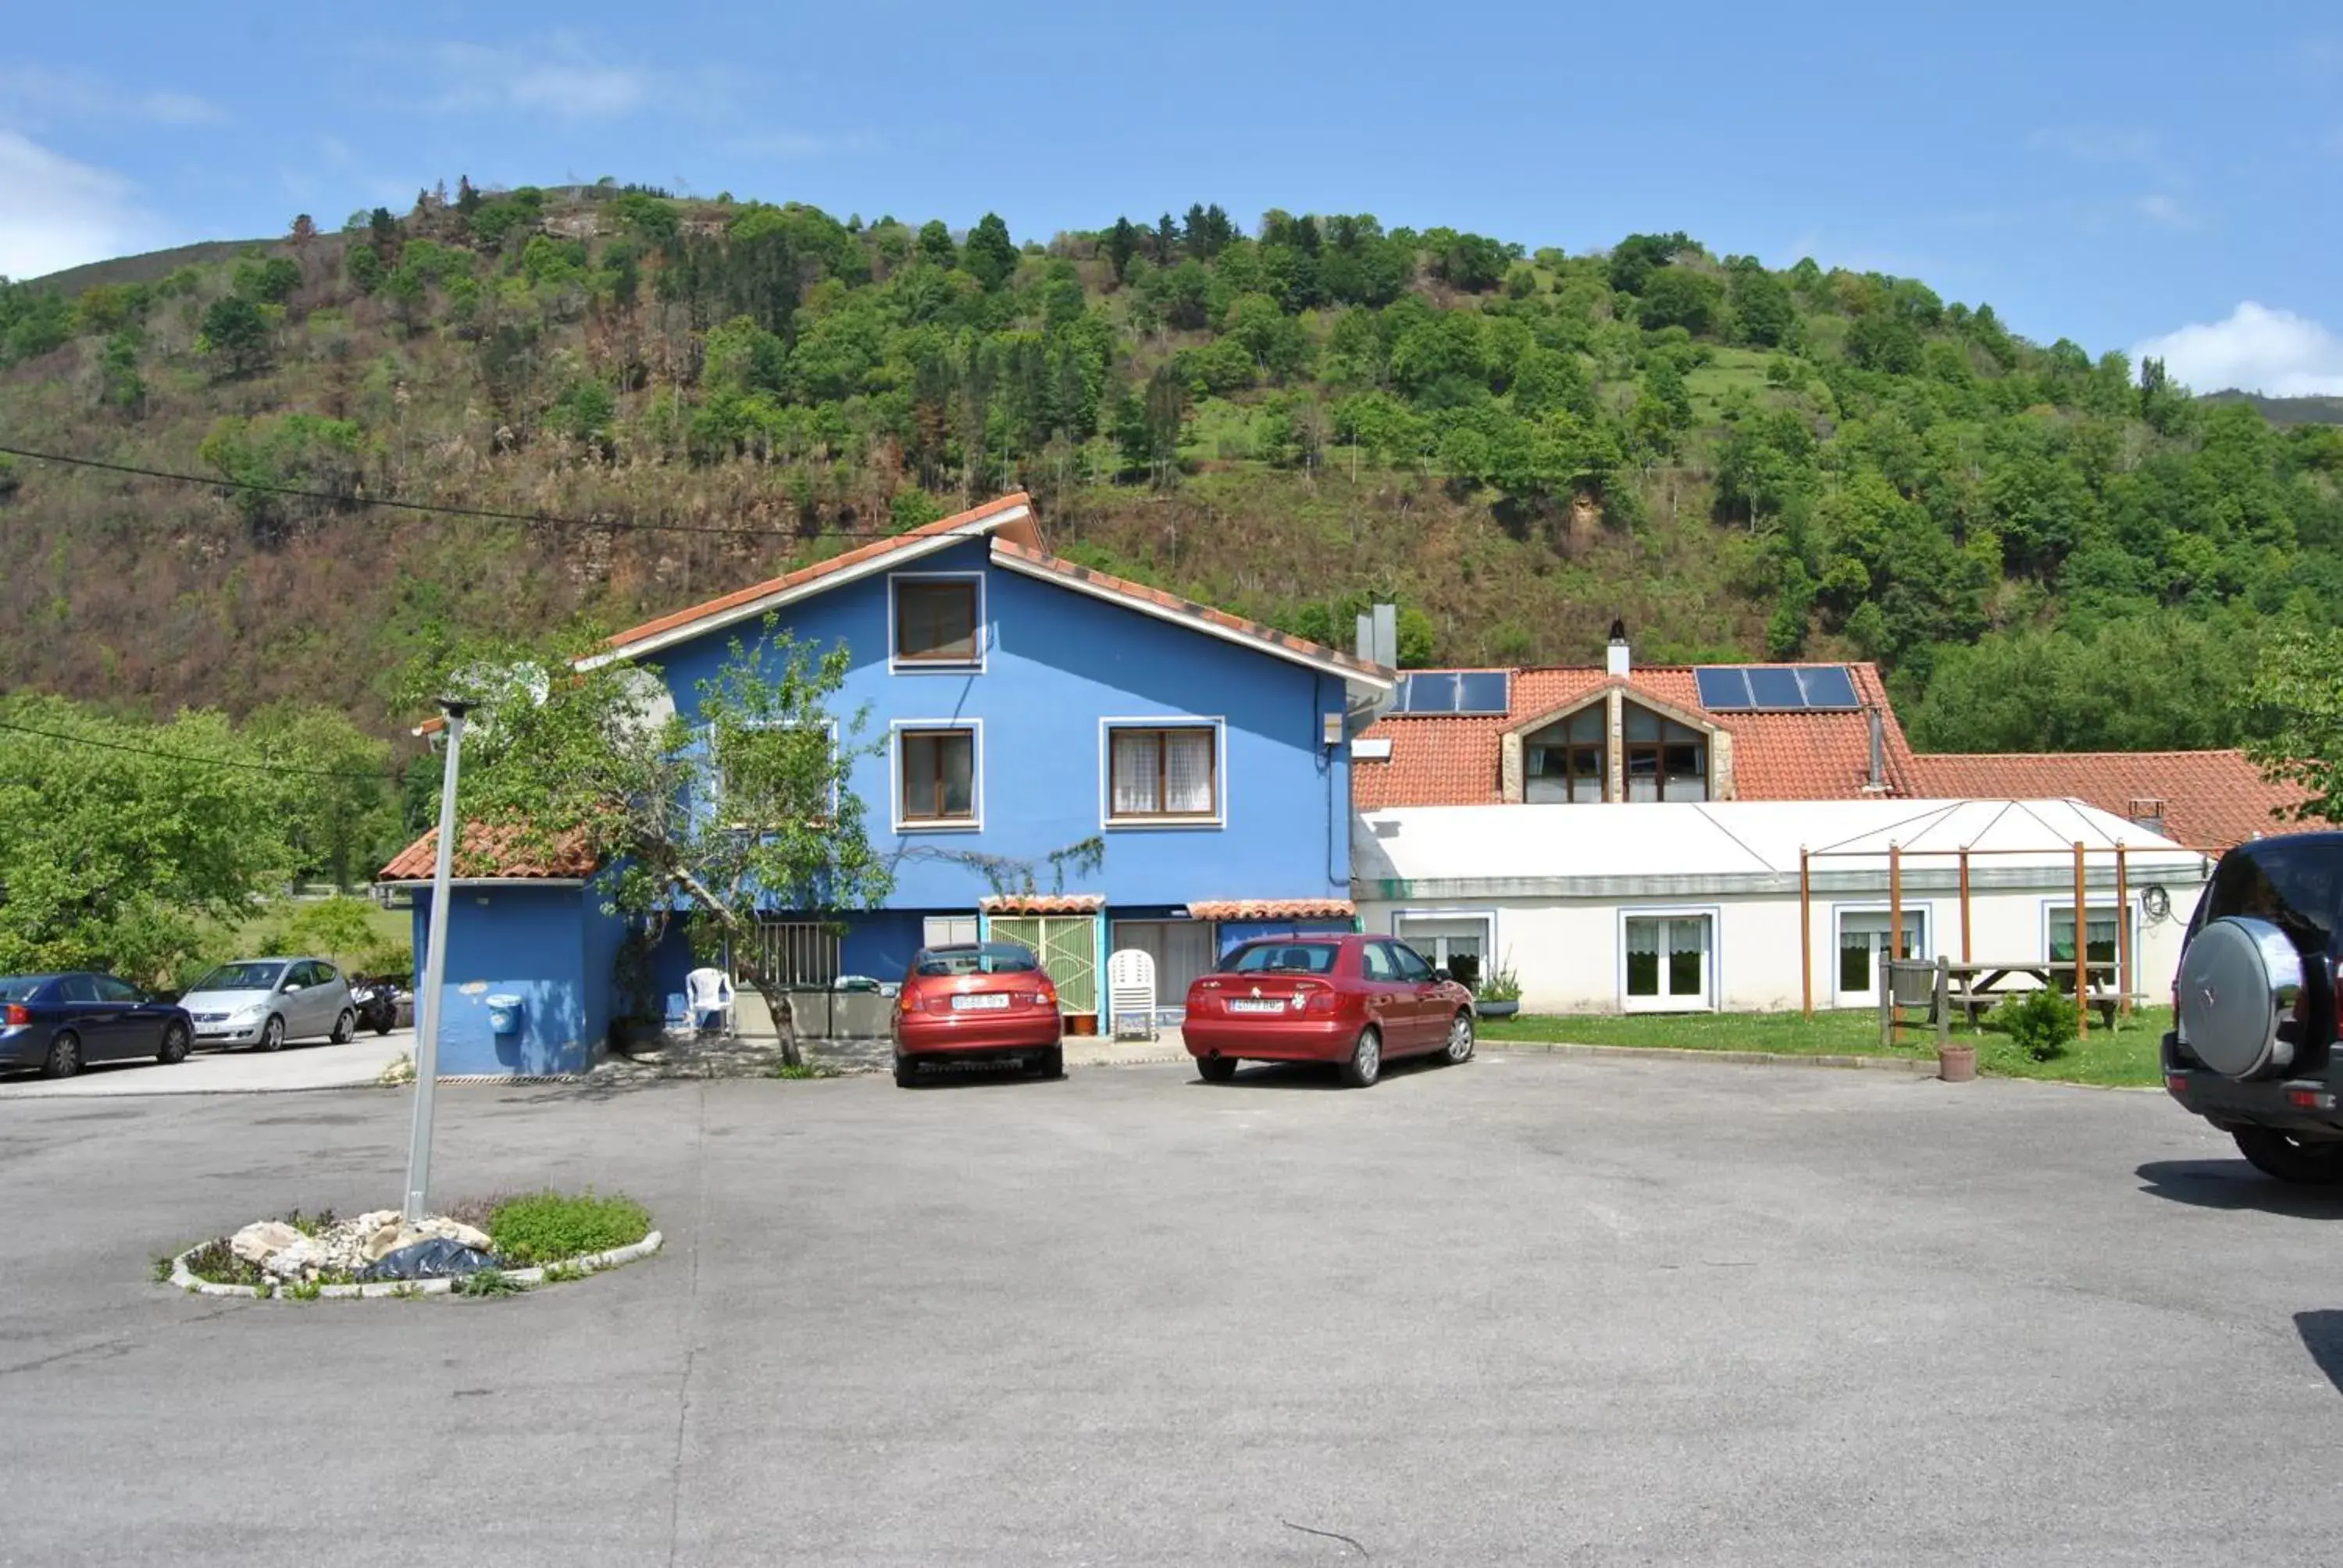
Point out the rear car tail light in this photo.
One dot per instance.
(2309, 1099)
(18, 1015)
(1315, 998)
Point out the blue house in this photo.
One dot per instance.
(1026, 704)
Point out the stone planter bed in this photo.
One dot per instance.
(296, 1258)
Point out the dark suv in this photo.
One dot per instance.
(2255, 1052)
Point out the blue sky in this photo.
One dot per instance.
(2120, 175)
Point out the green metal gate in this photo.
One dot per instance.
(1067, 948)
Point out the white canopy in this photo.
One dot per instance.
(1590, 850)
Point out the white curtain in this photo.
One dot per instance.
(1187, 771)
(1134, 768)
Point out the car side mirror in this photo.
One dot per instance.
(1442, 976)
(291, 988)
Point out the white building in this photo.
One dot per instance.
(1687, 907)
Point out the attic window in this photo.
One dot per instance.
(938, 620)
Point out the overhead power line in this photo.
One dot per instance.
(340, 498)
(388, 775)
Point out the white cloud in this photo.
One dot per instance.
(559, 76)
(2257, 349)
(2164, 210)
(783, 144)
(62, 213)
(30, 94)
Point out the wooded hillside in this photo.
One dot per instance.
(1517, 446)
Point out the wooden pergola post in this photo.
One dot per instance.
(2123, 931)
(1895, 901)
(1806, 932)
(2082, 951)
(1964, 904)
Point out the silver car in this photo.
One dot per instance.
(263, 1002)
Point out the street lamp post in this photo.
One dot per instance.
(435, 968)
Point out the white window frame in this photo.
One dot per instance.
(717, 763)
(974, 821)
(1929, 946)
(2051, 906)
(1219, 726)
(1490, 961)
(900, 666)
(1709, 1002)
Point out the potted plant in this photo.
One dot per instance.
(1500, 994)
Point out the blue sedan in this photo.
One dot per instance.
(59, 1022)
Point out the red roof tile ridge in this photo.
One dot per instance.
(957, 522)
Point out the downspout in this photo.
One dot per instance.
(1335, 821)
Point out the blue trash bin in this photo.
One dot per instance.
(504, 1014)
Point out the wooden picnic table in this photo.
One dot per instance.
(1975, 986)
(1970, 989)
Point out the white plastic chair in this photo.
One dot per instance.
(1130, 994)
(710, 991)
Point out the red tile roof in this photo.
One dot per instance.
(2213, 800)
(1007, 548)
(976, 519)
(1042, 903)
(484, 852)
(1271, 908)
(1813, 756)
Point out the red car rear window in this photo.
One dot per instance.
(1282, 957)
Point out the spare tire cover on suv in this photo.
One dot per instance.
(2238, 981)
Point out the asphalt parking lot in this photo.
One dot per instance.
(1534, 1309)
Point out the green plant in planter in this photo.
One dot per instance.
(1502, 984)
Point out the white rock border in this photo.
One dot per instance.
(593, 1263)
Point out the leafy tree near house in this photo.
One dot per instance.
(121, 842)
(2298, 688)
(701, 824)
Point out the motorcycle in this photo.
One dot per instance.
(376, 1002)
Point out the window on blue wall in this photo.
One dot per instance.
(938, 775)
(936, 621)
(1155, 773)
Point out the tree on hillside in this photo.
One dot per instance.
(1636, 259)
(1121, 245)
(237, 334)
(701, 822)
(990, 255)
(936, 244)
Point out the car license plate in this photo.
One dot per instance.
(969, 1001)
(1256, 1006)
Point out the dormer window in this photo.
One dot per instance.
(1665, 760)
(1565, 761)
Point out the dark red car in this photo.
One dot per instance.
(977, 1004)
(1356, 1000)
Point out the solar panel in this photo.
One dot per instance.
(1723, 689)
(1775, 688)
(1432, 693)
(1483, 691)
(1829, 688)
(1771, 685)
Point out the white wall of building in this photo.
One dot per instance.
(1570, 954)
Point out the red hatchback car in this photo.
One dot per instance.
(1358, 1001)
(977, 1002)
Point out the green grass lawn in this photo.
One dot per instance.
(2127, 1056)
